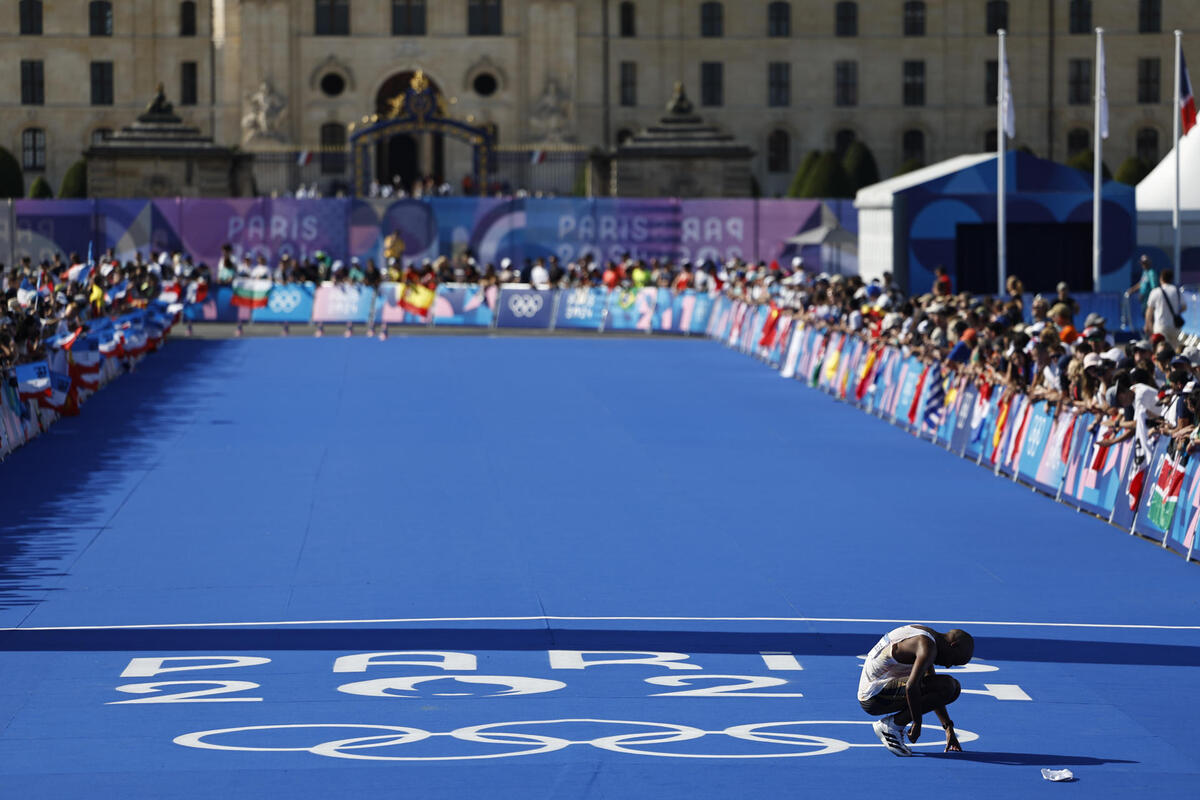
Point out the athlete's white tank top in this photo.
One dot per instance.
(880, 667)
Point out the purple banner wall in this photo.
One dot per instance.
(492, 229)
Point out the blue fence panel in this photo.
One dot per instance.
(525, 308)
(1182, 535)
(464, 306)
(292, 302)
(631, 310)
(581, 308)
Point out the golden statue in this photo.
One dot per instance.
(393, 246)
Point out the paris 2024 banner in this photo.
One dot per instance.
(491, 228)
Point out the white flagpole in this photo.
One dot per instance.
(1001, 178)
(1101, 121)
(1178, 111)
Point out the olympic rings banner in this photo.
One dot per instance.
(1060, 452)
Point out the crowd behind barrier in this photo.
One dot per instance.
(1091, 428)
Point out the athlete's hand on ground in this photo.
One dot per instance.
(952, 745)
(914, 731)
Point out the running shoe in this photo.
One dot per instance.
(892, 736)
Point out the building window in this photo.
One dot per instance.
(779, 84)
(1149, 16)
(1147, 146)
(913, 147)
(484, 18)
(779, 20)
(33, 83)
(989, 141)
(842, 141)
(1078, 140)
(628, 20)
(100, 18)
(102, 83)
(628, 83)
(779, 152)
(712, 83)
(914, 18)
(914, 83)
(845, 78)
(408, 17)
(997, 15)
(31, 17)
(100, 134)
(1079, 77)
(846, 19)
(1149, 82)
(1080, 16)
(188, 83)
(991, 82)
(712, 20)
(333, 148)
(187, 18)
(33, 148)
(485, 84)
(332, 18)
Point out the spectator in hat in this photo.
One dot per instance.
(1164, 309)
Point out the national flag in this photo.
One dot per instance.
(251, 292)
(304, 158)
(60, 391)
(935, 398)
(169, 293)
(1006, 102)
(115, 293)
(1001, 421)
(818, 359)
(26, 293)
(33, 380)
(537, 157)
(416, 299)
(1067, 436)
(868, 374)
(979, 412)
(66, 341)
(916, 399)
(1141, 458)
(1017, 442)
(1102, 89)
(1187, 103)
(197, 292)
(84, 360)
(770, 326)
(80, 273)
(1165, 498)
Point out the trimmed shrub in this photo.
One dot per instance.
(12, 181)
(74, 183)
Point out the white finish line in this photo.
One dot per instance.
(425, 620)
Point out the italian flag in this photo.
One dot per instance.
(416, 299)
(251, 292)
(1166, 489)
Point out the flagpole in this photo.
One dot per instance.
(1097, 157)
(1178, 88)
(1001, 178)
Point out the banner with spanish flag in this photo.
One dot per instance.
(415, 298)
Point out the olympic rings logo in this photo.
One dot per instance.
(525, 305)
(781, 743)
(283, 299)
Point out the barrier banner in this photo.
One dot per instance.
(1181, 536)
(581, 308)
(388, 309)
(1056, 454)
(1101, 473)
(720, 318)
(525, 308)
(1032, 448)
(343, 303)
(288, 302)
(910, 376)
(962, 420)
(1160, 494)
(465, 305)
(681, 312)
(1005, 456)
(217, 307)
(631, 310)
(752, 333)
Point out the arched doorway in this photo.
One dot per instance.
(406, 158)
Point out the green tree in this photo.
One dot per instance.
(1132, 171)
(40, 189)
(860, 165)
(802, 173)
(74, 183)
(1084, 161)
(12, 182)
(827, 178)
(910, 165)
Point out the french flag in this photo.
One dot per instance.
(1187, 102)
(116, 292)
(33, 380)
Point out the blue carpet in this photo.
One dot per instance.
(401, 496)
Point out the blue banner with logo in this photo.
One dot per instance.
(216, 307)
(631, 309)
(525, 308)
(290, 302)
(581, 308)
(343, 302)
(1037, 437)
(465, 305)
(1098, 483)
(681, 312)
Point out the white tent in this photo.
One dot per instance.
(877, 237)
(1156, 199)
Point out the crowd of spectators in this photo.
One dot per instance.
(1050, 354)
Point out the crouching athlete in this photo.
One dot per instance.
(899, 683)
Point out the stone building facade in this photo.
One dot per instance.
(911, 79)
